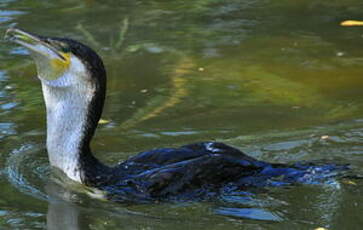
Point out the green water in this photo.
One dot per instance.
(269, 77)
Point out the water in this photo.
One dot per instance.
(279, 79)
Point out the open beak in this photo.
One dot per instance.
(34, 43)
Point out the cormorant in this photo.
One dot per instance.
(73, 81)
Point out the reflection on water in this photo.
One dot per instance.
(280, 80)
(251, 213)
(62, 216)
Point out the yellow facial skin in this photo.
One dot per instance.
(58, 66)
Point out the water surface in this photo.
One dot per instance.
(279, 79)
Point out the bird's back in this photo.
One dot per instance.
(201, 170)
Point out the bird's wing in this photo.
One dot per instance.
(193, 175)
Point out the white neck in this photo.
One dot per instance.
(66, 119)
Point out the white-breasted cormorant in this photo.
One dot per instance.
(73, 81)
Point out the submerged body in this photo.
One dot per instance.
(202, 171)
(74, 84)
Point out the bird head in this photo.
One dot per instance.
(60, 62)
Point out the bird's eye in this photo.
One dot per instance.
(64, 48)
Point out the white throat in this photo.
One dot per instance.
(67, 100)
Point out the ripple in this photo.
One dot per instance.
(9, 15)
(19, 51)
(252, 200)
(2, 75)
(21, 220)
(8, 106)
(286, 145)
(249, 213)
(3, 212)
(179, 133)
(330, 142)
(27, 173)
(6, 129)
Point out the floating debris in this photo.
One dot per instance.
(340, 54)
(351, 23)
(349, 182)
(103, 121)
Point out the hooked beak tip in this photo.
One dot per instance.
(18, 35)
(9, 34)
(30, 41)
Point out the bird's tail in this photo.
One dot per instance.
(298, 173)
